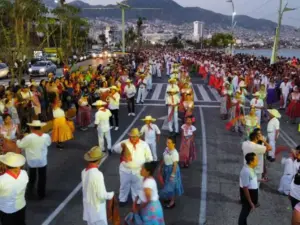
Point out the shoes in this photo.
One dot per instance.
(111, 127)
(168, 206)
(117, 128)
(129, 114)
(133, 114)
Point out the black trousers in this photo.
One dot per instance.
(115, 115)
(246, 207)
(17, 218)
(294, 201)
(42, 178)
(130, 105)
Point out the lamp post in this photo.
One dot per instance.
(233, 22)
(277, 34)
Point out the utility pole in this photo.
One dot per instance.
(123, 29)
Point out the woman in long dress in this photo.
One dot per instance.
(187, 152)
(62, 128)
(170, 176)
(84, 113)
(271, 93)
(293, 110)
(150, 211)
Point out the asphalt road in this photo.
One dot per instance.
(211, 190)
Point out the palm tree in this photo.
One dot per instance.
(139, 24)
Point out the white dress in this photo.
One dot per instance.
(287, 177)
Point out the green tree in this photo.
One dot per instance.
(131, 38)
(139, 26)
(221, 40)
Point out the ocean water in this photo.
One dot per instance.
(268, 52)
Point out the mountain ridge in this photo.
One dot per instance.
(174, 13)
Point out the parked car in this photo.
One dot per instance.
(4, 70)
(42, 68)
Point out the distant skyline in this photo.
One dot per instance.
(266, 9)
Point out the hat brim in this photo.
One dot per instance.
(17, 163)
(136, 135)
(89, 159)
(36, 125)
(95, 104)
(152, 119)
(275, 114)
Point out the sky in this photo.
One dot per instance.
(267, 9)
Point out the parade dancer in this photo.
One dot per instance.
(285, 88)
(258, 104)
(113, 100)
(102, 118)
(273, 132)
(141, 85)
(173, 102)
(158, 68)
(134, 153)
(93, 189)
(152, 133)
(130, 92)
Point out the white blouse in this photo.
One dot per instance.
(170, 157)
(151, 184)
(57, 113)
(188, 130)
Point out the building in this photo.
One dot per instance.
(107, 35)
(198, 30)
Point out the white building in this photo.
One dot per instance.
(107, 35)
(198, 30)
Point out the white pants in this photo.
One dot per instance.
(259, 177)
(158, 73)
(97, 223)
(129, 182)
(285, 97)
(152, 146)
(285, 184)
(173, 120)
(149, 83)
(141, 95)
(258, 116)
(272, 142)
(101, 136)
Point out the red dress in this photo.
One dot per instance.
(293, 110)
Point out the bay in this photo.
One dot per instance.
(268, 52)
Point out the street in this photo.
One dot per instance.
(211, 184)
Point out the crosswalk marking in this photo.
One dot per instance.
(195, 95)
(215, 93)
(156, 92)
(203, 93)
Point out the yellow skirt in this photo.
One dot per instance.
(62, 130)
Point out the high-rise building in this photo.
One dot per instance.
(107, 35)
(198, 30)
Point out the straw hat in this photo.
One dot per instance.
(172, 80)
(275, 113)
(256, 94)
(134, 133)
(128, 81)
(114, 88)
(149, 118)
(36, 123)
(93, 154)
(99, 103)
(12, 159)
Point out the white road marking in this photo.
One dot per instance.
(203, 93)
(53, 215)
(165, 125)
(202, 217)
(157, 91)
(287, 139)
(215, 93)
(195, 96)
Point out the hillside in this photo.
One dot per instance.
(172, 12)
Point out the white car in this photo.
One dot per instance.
(4, 70)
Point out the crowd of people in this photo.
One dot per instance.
(30, 110)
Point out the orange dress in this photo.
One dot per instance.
(62, 128)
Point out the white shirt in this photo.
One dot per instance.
(102, 119)
(151, 184)
(257, 103)
(114, 103)
(248, 178)
(150, 133)
(170, 157)
(130, 91)
(12, 192)
(259, 150)
(140, 154)
(36, 149)
(58, 113)
(94, 196)
(188, 130)
(285, 87)
(288, 166)
(173, 86)
(273, 125)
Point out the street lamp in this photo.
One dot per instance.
(233, 22)
(277, 35)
